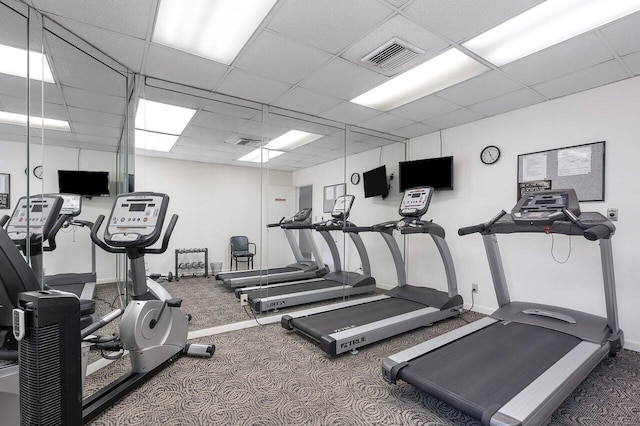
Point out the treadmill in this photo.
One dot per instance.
(299, 270)
(81, 284)
(334, 285)
(518, 365)
(346, 326)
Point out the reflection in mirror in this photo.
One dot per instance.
(373, 157)
(216, 195)
(84, 105)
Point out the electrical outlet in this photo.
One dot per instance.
(612, 214)
(474, 288)
(244, 299)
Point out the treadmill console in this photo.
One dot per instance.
(71, 204)
(342, 207)
(543, 208)
(302, 215)
(43, 211)
(136, 219)
(415, 201)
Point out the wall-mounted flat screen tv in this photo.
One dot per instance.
(434, 172)
(88, 184)
(375, 182)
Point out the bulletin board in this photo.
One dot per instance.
(580, 167)
(330, 194)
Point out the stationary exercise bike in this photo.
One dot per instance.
(153, 328)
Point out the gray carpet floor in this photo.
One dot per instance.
(267, 376)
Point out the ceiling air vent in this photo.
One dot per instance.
(247, 142)
(392, 54)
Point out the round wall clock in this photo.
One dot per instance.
(38, 172)
(490, 154)
(355, 178)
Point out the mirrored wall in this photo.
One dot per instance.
(236, 168)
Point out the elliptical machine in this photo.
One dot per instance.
(153, 328)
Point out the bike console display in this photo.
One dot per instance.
(71, 205)
(136, 219)
(415, 202)
(38, 215)
(543, 208)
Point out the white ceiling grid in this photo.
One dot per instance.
(306, 57)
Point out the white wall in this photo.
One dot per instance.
(74, 251)
(215, 202)
(610, 113)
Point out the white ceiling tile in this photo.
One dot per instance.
(332, 155)
(174, 65)
(97, 140)
(307, 101)
(357, 147)
(212, 120)
(349, 113)
(61, 143)
(330, 25)
(231, 110)
(480, 88)
(252, 87)
(92, 129)
(10, 137)
(624, 34)
(332, 143)
(123, 16)
(414, 130)
(460, 19)
(94, 117)
(598, 75)
(98, 147)
(276, 57)
(98, 78)
(427, 107)
(13, 28)
(385, 123)
(206, 133)
(453, 118)
(13, 104)
(567, 57)
(13, 86)
(125, 49)
(310, 149)
(633, 62)
(94, 101)
(396, 3)
(509, 102)
(343, 80)
(13, 130)
(403, 29)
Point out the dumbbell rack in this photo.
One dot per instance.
(200, 267)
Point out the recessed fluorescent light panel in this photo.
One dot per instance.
(549, 23)
(14, 62)
(260, 155)
(446, 69)
(154, 141)
(292, 139)
(213, 29)
(38, 122)
(164, 118)
(159, 125)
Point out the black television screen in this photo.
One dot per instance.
(375, 182)
(434, 172)
(89, 184)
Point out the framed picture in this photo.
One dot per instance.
(5, 191)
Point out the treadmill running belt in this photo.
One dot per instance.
(353, 316)
(489, 367)
(238, 274)
(291, 289)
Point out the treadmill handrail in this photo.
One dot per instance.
(275, 225)
(4, 220)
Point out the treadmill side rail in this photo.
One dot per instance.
(535, 403)
(390, 364)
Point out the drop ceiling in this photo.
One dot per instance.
(306, 57)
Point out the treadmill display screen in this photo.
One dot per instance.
(137, 207)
